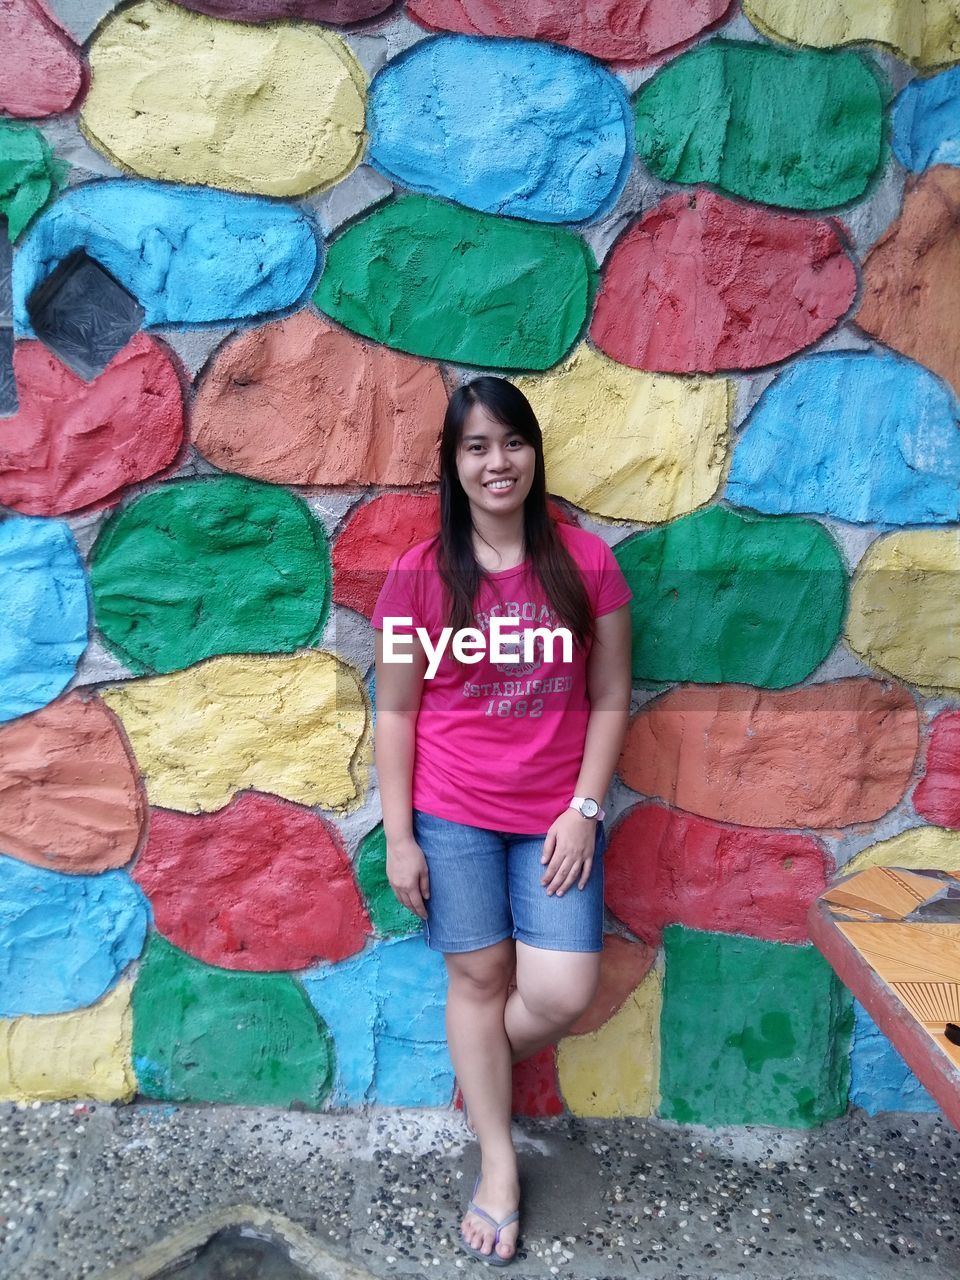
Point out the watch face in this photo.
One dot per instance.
(589, 808)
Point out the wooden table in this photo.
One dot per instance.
(893, 937)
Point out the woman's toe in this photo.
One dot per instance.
(507, 1247)
(477, 1236)
(482, 1242)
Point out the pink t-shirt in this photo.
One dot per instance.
(500, 745)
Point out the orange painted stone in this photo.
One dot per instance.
(70, 796)
(937, 797)
(375, 534)
(664, 867)
(911, 276)
(536, 1089)
(74, 444)
(298, 401)
(41, 71)
(623, 966)
(825, 755)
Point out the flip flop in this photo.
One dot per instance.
(493, 1258)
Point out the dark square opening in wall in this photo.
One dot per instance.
(83, 315)
(8, 385)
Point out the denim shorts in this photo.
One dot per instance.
(485, 886)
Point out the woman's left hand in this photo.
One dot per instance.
(568, 852)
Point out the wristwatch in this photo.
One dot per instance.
(587, 807)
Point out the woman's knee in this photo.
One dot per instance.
(558, 997)
(484, 974)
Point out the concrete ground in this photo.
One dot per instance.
(89, 1190)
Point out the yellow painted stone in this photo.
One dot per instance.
(293, 726)
(276, 108)
(904, 614)
(920, 848)
(924, 32)
(84, 1054)
(630, 445)
(615, 1071)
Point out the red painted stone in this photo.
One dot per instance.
(260, 885)
(374, 535)
(379, 531)
(937, 798)
(42, 70)
(336, 12)
(73, 444)
(664, 867)
(635, 32)
(536, 1089)
(701, 283)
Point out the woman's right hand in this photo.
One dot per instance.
(408, 875)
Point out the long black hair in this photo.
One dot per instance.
(460, 571)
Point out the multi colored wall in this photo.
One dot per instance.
(255, 244)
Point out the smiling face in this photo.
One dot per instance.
(495, 464)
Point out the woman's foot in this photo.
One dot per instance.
(498, 1195)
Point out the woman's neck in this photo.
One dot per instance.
(498, 543)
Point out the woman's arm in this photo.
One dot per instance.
(568, 849)
(399, 687)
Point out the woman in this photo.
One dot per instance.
(492, 770)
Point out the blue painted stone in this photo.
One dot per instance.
(925, 122)
(880, 1080)
(188, 254)
(385, 1009)
(65, 939)
(515, 127)
(45, 617)
(871, 438)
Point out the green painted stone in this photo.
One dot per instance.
(202, 1034)
(390, 918)
(204, 567)
(722, 596)
(452, 284)
(785, 127)
(752, 1032)
(29, 175)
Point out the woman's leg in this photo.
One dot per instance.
(553, 989)
(482, 1059)
(558, 941)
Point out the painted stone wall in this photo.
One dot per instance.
(255, 243)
